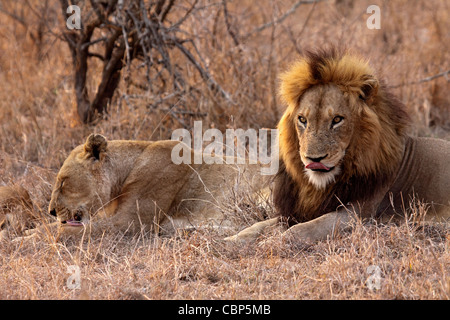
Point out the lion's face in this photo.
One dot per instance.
(82, 187)
(324, 126)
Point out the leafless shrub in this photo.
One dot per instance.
(129, 30)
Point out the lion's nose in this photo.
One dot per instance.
(53, 212)
(318, 159)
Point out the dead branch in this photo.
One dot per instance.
(427, 79)
(213, 85)
(228, 23)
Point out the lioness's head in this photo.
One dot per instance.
(340, 121)
(82, 187)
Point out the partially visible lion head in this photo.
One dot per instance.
(82, 186)
(341, 134)
(16, 210)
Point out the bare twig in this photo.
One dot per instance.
(186, 15)
(96, 55)
(166, 10)
(291, 35)
(280, 19)
(90, 43)
(203, 73)
(427, 79)
(228, 24)
(14, 16)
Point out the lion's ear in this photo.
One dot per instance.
(369, 88)
(95, 146)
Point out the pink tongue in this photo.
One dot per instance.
(317, 166)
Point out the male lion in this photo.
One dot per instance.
(343, 145)
(134, 185)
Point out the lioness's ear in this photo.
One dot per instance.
(369, 88)
(95, 146)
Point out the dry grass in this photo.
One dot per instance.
(413, 264)
(39, 126)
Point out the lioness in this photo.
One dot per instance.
(134, 185)
(343, 145)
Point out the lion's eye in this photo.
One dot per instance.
(336, 120)
(302, 120)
